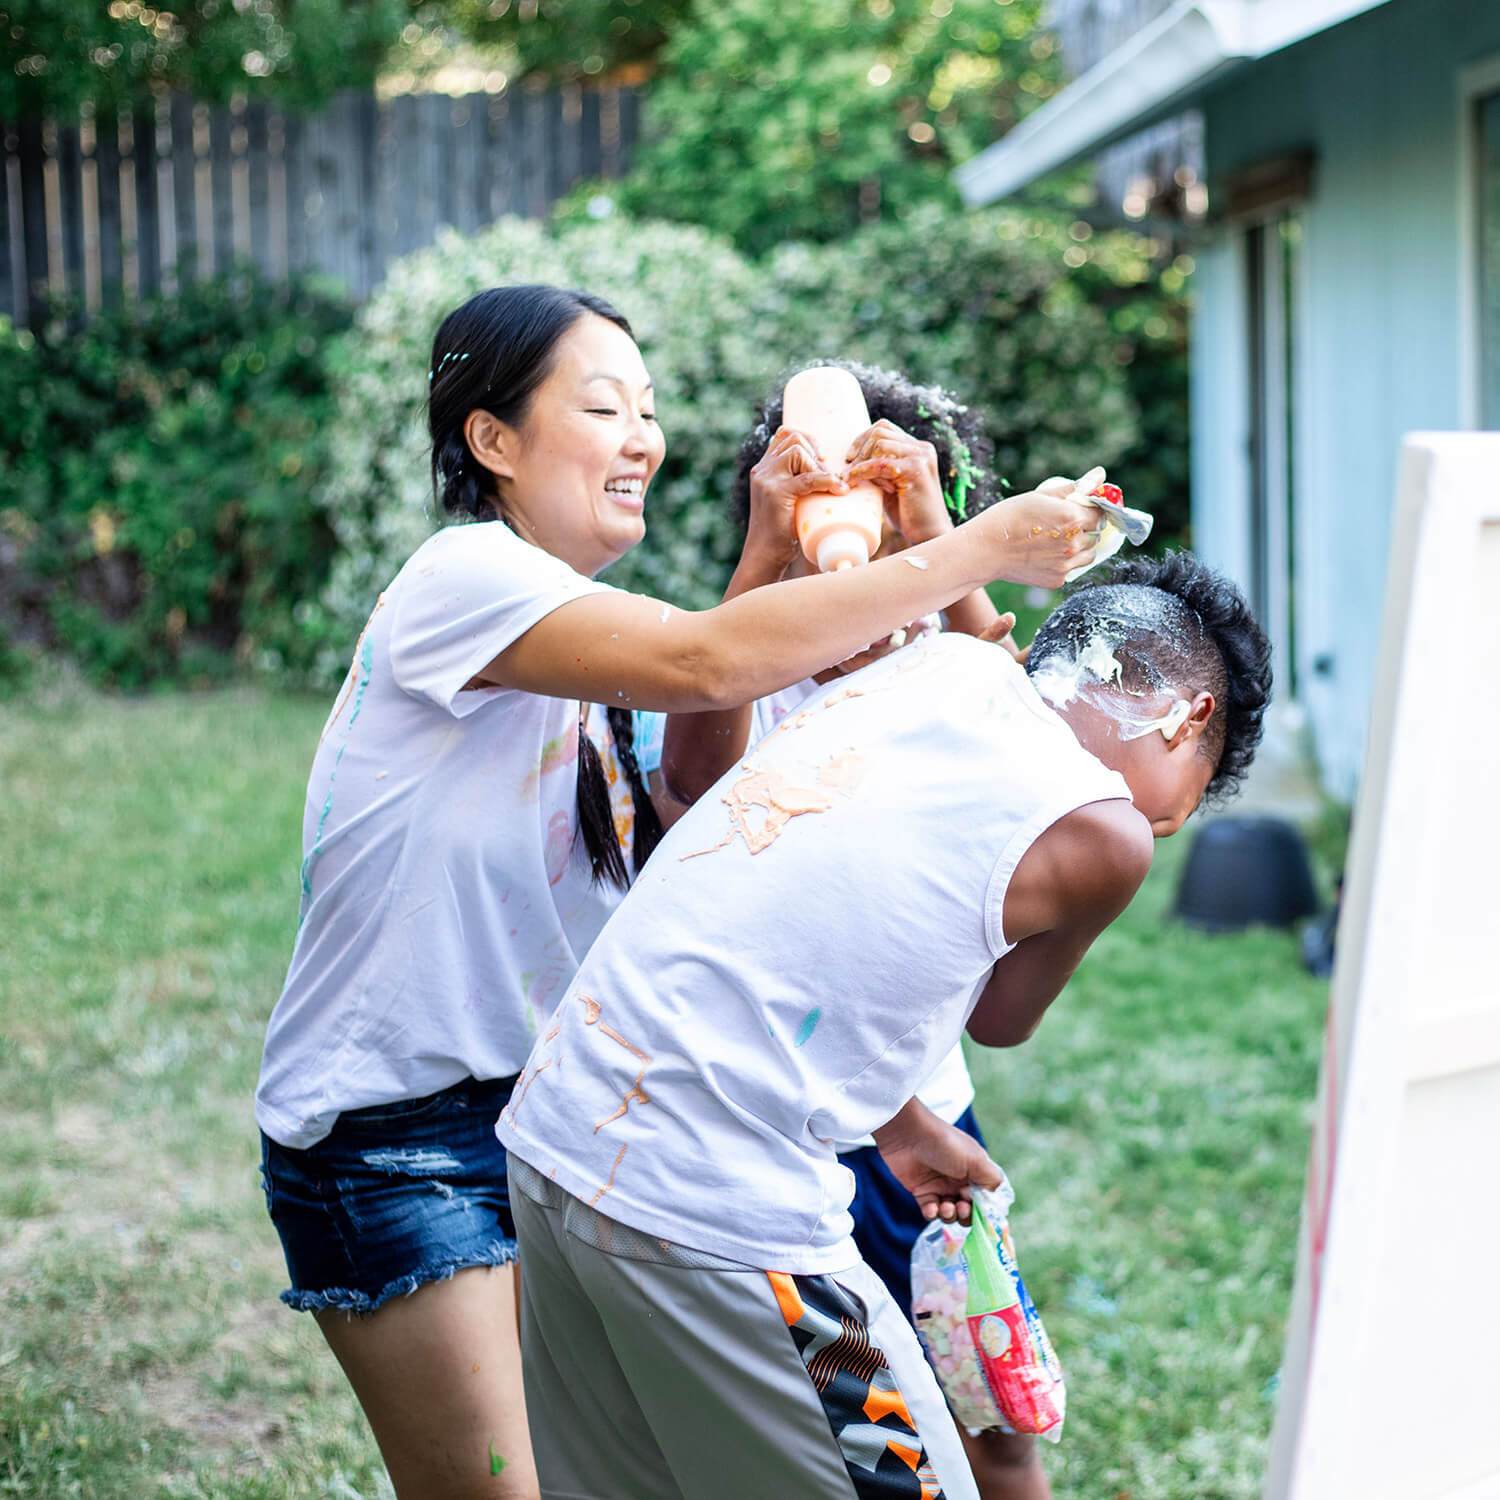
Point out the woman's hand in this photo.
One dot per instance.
(1039, 537)
(788, 470)
(906, 469)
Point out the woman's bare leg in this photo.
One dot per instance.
(438, 1374)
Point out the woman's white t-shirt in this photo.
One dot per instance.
(446, 899)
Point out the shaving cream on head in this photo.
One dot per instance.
(1168, 723)
(1061, 680)
(1110, 650)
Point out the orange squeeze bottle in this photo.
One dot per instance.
(836, 531)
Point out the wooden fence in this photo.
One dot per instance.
(99, 208)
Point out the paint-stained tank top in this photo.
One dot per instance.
(804, 948)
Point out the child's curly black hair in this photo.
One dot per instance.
(1193, 628)
(926, 412)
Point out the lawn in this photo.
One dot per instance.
(1155, 1129)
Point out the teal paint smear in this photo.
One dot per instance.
(312, 854)
(366, 665)
(808, 1026)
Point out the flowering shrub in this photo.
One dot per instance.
(986, 306)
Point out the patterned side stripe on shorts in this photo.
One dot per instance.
(869, 1417)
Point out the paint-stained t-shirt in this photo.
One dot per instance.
(805, 946)
(949, 1091)
(446, 900)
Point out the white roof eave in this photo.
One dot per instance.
(1159, 70)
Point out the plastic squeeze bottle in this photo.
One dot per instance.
(997, 1324)
(836, 531)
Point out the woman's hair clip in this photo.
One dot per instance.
(451, 354)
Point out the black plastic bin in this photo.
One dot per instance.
(1246, 871)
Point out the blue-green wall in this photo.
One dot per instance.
(1378, 100)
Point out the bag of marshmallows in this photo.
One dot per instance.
(979, 1327)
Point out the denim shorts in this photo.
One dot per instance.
(887, 1220)
(395, 1196)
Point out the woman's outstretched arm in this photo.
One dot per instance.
(633, 651)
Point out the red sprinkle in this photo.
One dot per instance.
(1111, 492)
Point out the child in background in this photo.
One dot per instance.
(927, 447)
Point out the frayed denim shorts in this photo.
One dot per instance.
(395, 1196)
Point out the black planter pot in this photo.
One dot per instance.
(1244, 872)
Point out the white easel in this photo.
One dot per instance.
(1391, 1374)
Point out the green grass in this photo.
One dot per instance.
(1017, 598)
(1155, 1129)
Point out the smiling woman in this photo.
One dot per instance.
(576, 485)
(474, 812)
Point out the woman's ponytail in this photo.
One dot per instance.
(596, 818)
(463, 489)
(648, 829)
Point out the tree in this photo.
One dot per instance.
(60, 53)
(772, 122)
(568, 40)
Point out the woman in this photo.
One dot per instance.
(462, 847)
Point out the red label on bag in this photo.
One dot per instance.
(1012, 1368)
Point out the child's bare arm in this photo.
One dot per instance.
(1070, 885)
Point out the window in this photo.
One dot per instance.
(1273, 277)
(1488, 223)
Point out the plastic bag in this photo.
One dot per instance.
(980, 1328)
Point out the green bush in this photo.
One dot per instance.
(984, 304)
(158, 465)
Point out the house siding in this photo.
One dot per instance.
(1378, 330)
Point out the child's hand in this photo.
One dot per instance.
(937, 1163)
(999, 634)
(893, 642)
(789, 469)
(906, 469)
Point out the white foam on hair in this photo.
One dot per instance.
(1061, 679)
(1082, 661)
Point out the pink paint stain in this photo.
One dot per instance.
(559, 847)
(558, 753)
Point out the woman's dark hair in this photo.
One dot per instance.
(926, 412)
(492, 353)
(1175, 619)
